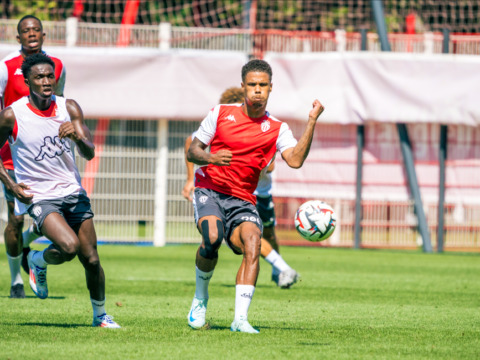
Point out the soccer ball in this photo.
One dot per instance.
(315, 220)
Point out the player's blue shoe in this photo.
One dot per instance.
(38, 277)
(243, 326)
(196, 316)
(105, 321)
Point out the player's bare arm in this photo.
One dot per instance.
(77, 131)
(296, 156)
(189, 185)
(198, 155)
(7, 121)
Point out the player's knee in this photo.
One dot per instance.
(212, 239)
(15, 222)
(69, 250)
(91, 263)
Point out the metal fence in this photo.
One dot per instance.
(122, 184)
(123, 180)
(165, 36)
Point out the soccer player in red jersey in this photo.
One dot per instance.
(12, 87)
(283, 275)
(243, 140)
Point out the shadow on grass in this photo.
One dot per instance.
(34, 297)
(56, 325)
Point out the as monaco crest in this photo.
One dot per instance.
(265, 126)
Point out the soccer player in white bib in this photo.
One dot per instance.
(282, 274)
(243, 140)
(43, 131)
(12, 87)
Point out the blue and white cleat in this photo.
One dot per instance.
(105, 321)
(243, 326)
(38, 277)
(196, 316)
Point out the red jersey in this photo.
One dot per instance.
(12, 88)
(253, 143)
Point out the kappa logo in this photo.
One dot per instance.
(18, 72)
(37, 210)
(52, 148)
(231, 118)
(203, 199)
(265, 126)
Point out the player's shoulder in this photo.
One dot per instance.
(13, 57)
(229, 108)
(273, 118)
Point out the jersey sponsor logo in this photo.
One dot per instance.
(52, 148)
(37, 210)
(18, 72)
(203, 199)
(265, 126)
(231, 118)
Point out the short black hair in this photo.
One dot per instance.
(256, 66)
(28, 17)
(33, 60)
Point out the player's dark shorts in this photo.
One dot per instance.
(231, 210)
(266, 210)
(8, 194)
(75, 209)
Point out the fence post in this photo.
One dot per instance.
(161, 171)
(428, 43)
(405, 144)
(341, 39)
(360, 146)
(71, 29)
(164, 35)
(442, 156)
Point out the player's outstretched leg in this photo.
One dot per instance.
(95, 276)
(38, 274)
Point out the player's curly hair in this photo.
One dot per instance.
(232, 95)
(33, 60)
(256, 66)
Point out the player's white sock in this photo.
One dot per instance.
(201, 283)
(243, 298)
(277, 262)
(38, 259)
(15, 263)
(98, 307)
(29, 236)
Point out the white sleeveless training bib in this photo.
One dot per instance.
(41, 159)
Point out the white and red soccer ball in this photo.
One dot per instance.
(315, 220)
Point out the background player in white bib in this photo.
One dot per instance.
(283, 275)
(43, 131)
(12, 87)
(243, 140)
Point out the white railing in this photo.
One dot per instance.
(164, 36)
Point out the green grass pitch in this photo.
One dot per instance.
(349, 305)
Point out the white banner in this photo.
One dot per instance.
(354, 87)
(357, 87)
